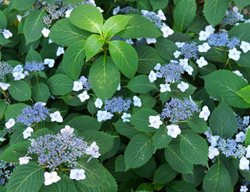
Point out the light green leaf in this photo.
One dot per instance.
(20, 90)
(159, 4)
(21, 5)
(241, 4)
(14, 110)
(3, 20)
(33, 56)
(3, 107)
(87, 17)
(104, 77)
(141, 84)
(93, 45)
(84, 123)
(125, 57)
(60, 84)
(139, 150)
(40, 92)
(161, 139)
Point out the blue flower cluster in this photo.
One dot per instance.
(222, 40)
(179, 110)
(59, 149)
(33, 114)
(5, 69)
(34, 66)
(189, 50)
(231, 18)
(6, 170)
(153, 17)
(117, 105)
(230, 148)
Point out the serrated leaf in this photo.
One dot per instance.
(60, 84)
(141, 84)
(14, 110)
(125, 129)
(164, 174)
(161, 139)
(84, 123)
(197, 124)
(21, 5)
(20, 90)
(93, 45)
(244, 93)
(40, 92)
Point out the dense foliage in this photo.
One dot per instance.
(135, 95)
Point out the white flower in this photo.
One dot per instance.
(103, 115)
(204, 113)
(152, 76)
(116, 10)
(67, 130)
(155, 121)
(56, 117)
(212, 152)
(166, 30)
(4, 86)
(77, 86)
(118, 87)
(245, 120)
(50, 41)
(51, 177)
(126, 117)
(157, 67)
(183, 86)
(83, 79)
(27, 132)
(203, 35)
(204, 47)
(238, 73)
(189, 69)
(129, 41)
(177, 54)
(18, 73)
(68, 12)
(137, 101)
(244, 163)
(201, 62)
(213, 140)
(179, 44)
(161, 15)
(209, 29)
(49, 62)
(77, 174)
(165, 87)
(83, 96)
(10, 123)
(60, 51)
(150, 40)
(243, 188)
(45, 32)
(240, 137)
(19, 18)
(234, 54)
(24, 160)
(98, 103)
(173, 130)
(245, 46)
(7, 34)
(248, 151)
(93, 150)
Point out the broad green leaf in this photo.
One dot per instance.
(138, 26)
(26, 178)
(147, 170)
(20, 90)
(196, 177)
(165, 48)
(93, 45)
(33, 56)
(223, 86)
(87, 17)
(33, 25)
(125, 129)
(60, 84)
(223, 121)
(164, 174)
(139, 150)
(197, 124)
(3, 20)
(14, 110)
(179, 186)
(247, 140)
(183, 14)
(66, 34)
(98, 179)
(214, 10)
(115, 24)
(141, 120)
(40, 92)
(104, 77)
(21, 5)
(240, 31)
(194, 148)
(161, 139)
(159, 4)
(241, 4)
(141, 84)
(125, 57)
(73, 60)
(143, 4)
(3, 107)
(217, 179)
(84, 123)
(176, 159)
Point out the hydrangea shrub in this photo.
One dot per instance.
(139, 95)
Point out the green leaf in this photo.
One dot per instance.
(138, 26)
(180, 186)
(141, 120)
(139, 150)
(241, 31)
(115, 24)
(223, 85)
(197, 124)
(183, 14)
(60, 84)
(26, 178)
(3, 107)
(33, 56)
(161, 139)
(125, 57)
(125, 129)
(87, 17)
(141, 84)
(241, 4)
(3, 20)
(194, 148)
(214, 11)
(20, 90)
(164, 174)
(165, 48)
(159, 4)
(93, 45)
(14, 110)
(66, 34)
(14, 152)
(217, 179)
(84, 123)
(223, 121)
(33, 26)
(176, 159)
(21, 5)
(244, 93)
(98, 179)
(247, 140)
(104, 77)
(40, 92)
(73, 60)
